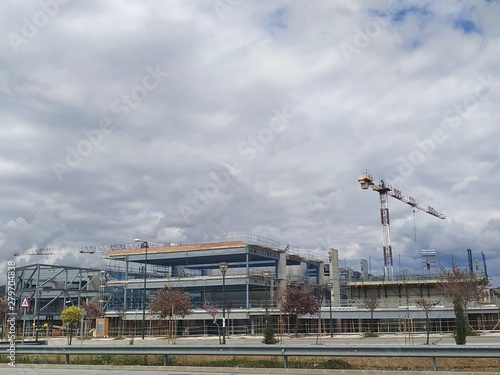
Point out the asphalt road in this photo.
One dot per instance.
(336, 340)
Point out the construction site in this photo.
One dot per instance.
(246, 274)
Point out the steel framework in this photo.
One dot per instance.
(384, 189)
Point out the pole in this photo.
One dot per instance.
(331, 323)
(37, 303)
(24, 324)
(267, 300)
(144, 292)
(223, 308)
(330, 285)
(81, 326)
(223, 268)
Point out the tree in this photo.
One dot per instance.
(171, 303)
(213, 310)
(121, 310)
(69, 316)
(4, 309)
(92, 312)
(427, 306)
(371, 303)
(461, 288)
(297, 301)
(323, 292)
(229, 306)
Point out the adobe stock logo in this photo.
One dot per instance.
(121, 106)
(32, 25)
(222, 7)
(222, 177)
(364, 36)
(453, 120)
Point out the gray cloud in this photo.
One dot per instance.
(159, 120)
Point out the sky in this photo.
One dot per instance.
(193, 121)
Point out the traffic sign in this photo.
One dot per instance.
(25, 303)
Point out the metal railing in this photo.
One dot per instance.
(424, 351)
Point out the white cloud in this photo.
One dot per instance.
(210, 122)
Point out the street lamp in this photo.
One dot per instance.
(223, 268)
(266, 274)
(330, 285)
(144, 244)
(39, 294)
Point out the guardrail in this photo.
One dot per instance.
(432, 351)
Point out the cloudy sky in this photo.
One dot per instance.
(186, 121)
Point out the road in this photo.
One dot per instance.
(336, 340)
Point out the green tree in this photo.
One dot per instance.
(69, 316)
(171, 303)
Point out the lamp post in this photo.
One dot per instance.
(330, 285)
(144, 244)
(266, 274)
(223, 268)
(39, 294)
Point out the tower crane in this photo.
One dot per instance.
(384, 189)
(80, 250)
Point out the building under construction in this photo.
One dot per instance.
(258, 270)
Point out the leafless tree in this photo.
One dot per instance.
(120, 311)
(297, 301)
(4, 309)
(370, 303)
(92, 312)
(214, 311)
(171, 303)
(461, 288)
(427, 306)
(323, 293)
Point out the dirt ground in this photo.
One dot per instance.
(425, 364)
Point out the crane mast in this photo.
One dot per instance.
(384, 189)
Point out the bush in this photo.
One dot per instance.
(370, 334)
(460, 331)
(269, 337)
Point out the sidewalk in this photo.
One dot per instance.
(336, 340)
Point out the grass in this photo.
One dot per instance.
(357, 363)
(204, 361)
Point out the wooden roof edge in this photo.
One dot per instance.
(185, 247)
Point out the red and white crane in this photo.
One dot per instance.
(384, 189)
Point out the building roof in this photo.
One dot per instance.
(178, 248)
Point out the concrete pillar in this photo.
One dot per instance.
(281, 276)
(321, 274)
(333, 258)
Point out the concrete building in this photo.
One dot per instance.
(258, 271)
(195, 269)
